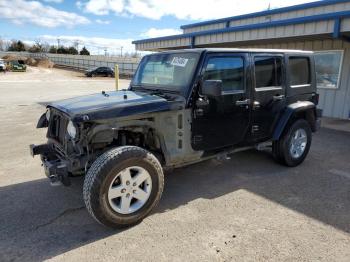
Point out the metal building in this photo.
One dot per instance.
(323, 27)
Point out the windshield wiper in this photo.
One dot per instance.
(152, 91)
(140, 87)
(157, 91)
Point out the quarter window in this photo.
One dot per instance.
(268, 71)
(228, 69)
(299, 69)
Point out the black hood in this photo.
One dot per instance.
(110, 105)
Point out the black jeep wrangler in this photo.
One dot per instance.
(182, 107)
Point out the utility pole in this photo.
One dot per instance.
(1, 44)
(121, 51)
(76, 45)
(58, 44)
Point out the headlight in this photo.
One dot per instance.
(71, 129)
(48, 114)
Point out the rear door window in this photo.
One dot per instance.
(268, 71)
(299, 71)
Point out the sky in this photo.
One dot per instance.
(113, 24)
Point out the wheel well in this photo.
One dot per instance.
(147, 139)
(289, 117)
(142, 137)
(308, 115)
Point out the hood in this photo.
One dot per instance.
(110, 105)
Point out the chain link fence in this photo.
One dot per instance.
(127, 66)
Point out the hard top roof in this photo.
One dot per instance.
(239, 50)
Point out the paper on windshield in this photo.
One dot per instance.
(179, 61)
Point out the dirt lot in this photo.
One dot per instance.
(244, 209)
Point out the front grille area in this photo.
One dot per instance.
(57, 127)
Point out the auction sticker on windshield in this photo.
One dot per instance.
(179, 61)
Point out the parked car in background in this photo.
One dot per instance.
(2, 65)
(17, 66)
(100, 71)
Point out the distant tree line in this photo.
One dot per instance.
(71, 50)
(42, 47)
(39, 47)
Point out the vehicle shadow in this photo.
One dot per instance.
(39, 222)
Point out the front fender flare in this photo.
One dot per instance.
(42, 121)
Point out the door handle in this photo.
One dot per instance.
(245, 102)
(256, 105)
(278, 97)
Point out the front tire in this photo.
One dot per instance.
(122, 186)
(292, 148)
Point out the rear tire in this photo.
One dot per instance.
(122, 186)
(276, 153)
(292, 148)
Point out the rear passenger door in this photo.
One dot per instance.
(268, 93)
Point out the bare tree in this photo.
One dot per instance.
(2, 44)
(45, 47)
(7, 45)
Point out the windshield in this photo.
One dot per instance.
(166, 71)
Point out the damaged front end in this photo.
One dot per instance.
(55, 168)
(63, 156)
(81, 129)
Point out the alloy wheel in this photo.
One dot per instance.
(130, 190)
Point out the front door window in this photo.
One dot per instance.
(230, 70)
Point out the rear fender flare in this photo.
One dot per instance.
(291, 110)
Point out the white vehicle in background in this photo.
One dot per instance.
(2, 65)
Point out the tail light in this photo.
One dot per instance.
(315, 98)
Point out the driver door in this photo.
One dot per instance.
(223, 121)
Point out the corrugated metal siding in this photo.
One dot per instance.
(183, 42)
(306, 29)
(205, 28)
(275, 17)
(311, 29)
(334, 102)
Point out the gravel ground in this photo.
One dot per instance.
(245, 209)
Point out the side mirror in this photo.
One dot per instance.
(212, 88)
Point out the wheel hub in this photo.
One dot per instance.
(298, 143)
(130, 190)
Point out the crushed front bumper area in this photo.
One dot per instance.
(55, 169)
